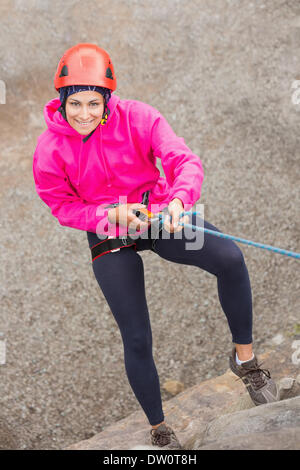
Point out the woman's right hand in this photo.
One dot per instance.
(123, 215)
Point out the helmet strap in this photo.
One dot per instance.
(62, 110)
(105, 115)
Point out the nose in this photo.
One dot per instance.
(84, 113)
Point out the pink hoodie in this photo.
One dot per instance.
(78, 176)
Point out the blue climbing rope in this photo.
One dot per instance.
(237, 239)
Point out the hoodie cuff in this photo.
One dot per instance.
(187, 205)
(104, 226)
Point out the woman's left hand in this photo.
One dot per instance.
(175, 208)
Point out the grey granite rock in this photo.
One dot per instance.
(263, 424)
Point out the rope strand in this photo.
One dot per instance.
(281, 251)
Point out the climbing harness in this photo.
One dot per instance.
(145, 214)
(111, 244)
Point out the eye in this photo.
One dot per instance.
(73, 103)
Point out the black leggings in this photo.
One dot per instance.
(120, 276)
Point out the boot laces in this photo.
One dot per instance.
(257, 376)
(162, 437)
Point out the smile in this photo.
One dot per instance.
(84, 124)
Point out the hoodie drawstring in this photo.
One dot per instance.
(103, 159)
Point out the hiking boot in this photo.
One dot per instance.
(262, 389)
(164, 436)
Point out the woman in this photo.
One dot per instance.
(95, 168)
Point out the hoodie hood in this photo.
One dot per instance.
(56, 123)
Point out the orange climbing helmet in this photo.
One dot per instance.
(85, 64)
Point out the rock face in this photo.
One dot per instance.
(289, 387)
(219, 414)
(271, 426)
(286, 439)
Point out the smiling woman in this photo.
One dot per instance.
(95, 183)
(84, 111)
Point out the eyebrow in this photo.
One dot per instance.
(96, 99)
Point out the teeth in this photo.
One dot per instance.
(84, 123)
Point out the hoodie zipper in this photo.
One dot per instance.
(103, 159)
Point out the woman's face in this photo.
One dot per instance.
(84, 111)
